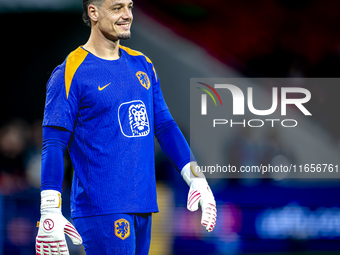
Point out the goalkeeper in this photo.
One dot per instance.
(104, 104)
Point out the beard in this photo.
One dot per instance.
(124, 36)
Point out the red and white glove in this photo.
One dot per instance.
(53, 226)
(200, 194)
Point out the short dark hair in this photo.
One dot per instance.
(86, 4)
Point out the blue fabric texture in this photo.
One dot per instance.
(115, 234)
(171, 140)
(52, 158)
(113, 108)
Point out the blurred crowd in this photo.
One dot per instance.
(20, 169)
(20, 154)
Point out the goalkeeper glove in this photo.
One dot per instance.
(53, 226)
(200, 194)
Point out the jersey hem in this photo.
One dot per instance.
(114, 212)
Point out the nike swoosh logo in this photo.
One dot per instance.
(101, 88)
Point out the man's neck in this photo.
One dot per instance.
(102, 47)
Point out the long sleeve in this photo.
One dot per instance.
(52, 159)
(171, 140)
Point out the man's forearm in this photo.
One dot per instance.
(52, 159)
(172, 141)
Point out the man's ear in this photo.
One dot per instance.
(92, 11)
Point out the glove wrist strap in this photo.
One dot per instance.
(191, 173)
(50, 199)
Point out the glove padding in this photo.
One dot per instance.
(200, 194)
(53, 226)
(51, 235)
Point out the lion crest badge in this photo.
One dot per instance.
(133, 119)
(143, 79)
(122, 229)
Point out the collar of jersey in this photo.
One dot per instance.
(121, 55)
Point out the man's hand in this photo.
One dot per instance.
(53, 226)
(200, 194)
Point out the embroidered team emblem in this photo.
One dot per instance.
(143, 79)
(122, 229)
(133, 119)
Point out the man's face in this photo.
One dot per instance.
(115, 18)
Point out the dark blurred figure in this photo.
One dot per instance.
(33, 155)
(13, 142)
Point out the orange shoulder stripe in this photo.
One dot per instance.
(74, 60)
(137, 53)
